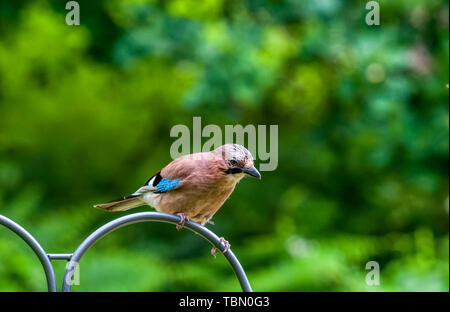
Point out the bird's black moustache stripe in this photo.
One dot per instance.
(233, 170)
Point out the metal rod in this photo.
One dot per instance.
(59, 256)
(37, 248)
(147, 217)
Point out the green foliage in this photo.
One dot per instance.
(86, 111)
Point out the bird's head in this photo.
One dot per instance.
(238, 161)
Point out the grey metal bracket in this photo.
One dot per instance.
(36, 247)
(75, 258)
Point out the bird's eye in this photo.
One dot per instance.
(233, 162)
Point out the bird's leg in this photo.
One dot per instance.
(208, 220)
(223, 241)
(184, 219)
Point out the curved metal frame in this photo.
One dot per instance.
(159, 217)
(74, 258)
(37, 248)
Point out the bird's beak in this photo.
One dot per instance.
(252, 172)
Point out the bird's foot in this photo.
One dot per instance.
(184, 219)
(227, 247)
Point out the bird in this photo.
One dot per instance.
(193, 186)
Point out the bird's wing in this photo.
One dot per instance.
(173, 175)
(158, 184)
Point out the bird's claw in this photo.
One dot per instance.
(227, 247)
(184, 219)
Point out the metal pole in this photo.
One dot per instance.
(38, 250)
(59, 256)
(147, 217)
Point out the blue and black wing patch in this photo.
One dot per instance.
(166, 185)
(162, 184)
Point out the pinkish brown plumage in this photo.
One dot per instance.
(195, 185)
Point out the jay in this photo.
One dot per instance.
(193, 186)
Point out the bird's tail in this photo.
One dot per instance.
(122, 204)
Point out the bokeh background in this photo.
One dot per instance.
(363, 115)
